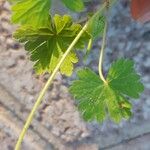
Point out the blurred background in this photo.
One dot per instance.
(58, 125)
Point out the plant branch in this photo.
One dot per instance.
(102, 54)
(38, 102)
(48, 83)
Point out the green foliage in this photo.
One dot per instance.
(97, 21)
(47, 45)
(96, 98)
(96, 25)
(51, 43)
(31, 12)
(13, 1)
(47, 39)
(74, 5)
(123, 78)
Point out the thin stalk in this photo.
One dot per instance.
(39, 100)
(100, 67)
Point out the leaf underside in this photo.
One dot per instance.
(47, 45)
(97, 99)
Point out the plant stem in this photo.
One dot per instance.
(100, 67)
(48, 83)
(102, 55)
(38, 102)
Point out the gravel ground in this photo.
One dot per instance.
(58, 113)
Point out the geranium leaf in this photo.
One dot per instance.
(95, 98)
(47, 45)
(31, 12)
(123, 78)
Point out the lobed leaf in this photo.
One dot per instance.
(47, 45)
(122, 77)
(95, 98)
(31, 12)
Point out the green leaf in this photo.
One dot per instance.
(47, 45)
(97, 22)
(31, 12)
(96, 25)
(123, 72)
(74, 5)
(13, 1)
(95, 98)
